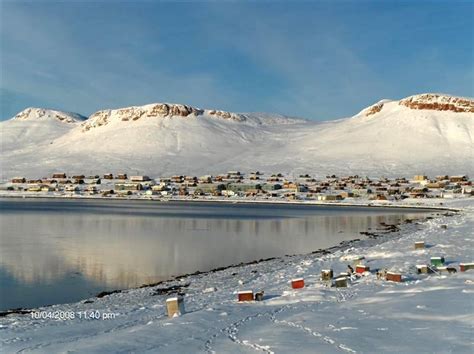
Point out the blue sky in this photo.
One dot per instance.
(318, 60)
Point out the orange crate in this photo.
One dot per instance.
(362, 268)
(397, 277)
(245, 295)
(297, 283)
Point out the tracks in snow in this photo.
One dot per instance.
(231, 331)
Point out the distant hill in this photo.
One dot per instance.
(427, 133)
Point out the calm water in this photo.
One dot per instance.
(57, 251)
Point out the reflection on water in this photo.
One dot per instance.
(54, 251)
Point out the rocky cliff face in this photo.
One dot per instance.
(376, 108)
(429, 101)
(42, 114)
(426, 101)
(157, 110)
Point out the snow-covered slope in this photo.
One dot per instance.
(410, 135)
(36, 126)
(422, 133)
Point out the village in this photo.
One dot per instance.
(235, 185)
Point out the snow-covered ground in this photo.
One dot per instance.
(423, 314)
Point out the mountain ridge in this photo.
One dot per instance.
(389, 137)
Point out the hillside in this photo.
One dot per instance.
(34, 127)
(427, 133)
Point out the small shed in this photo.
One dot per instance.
(175, 306)
(246, 295)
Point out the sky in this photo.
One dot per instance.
(319, 60)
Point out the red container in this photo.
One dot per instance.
(245, 295)
(297, 283)
(397, 277)
(361, 269)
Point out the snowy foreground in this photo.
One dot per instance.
(423, 314)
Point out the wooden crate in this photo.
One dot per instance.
(437, 261)
(245, 295)
(326, 274)
(297, 283)
(175, 306)
(341, 282)
(362, 268)
(396, 277)
(419, 245)
(422, 269)
(466, 266)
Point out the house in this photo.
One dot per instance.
(253, 192)
(273, 179)
(205, 179)
(242, 186)
(347, 194)
(18, 180)
(34, 188)
(128, 186)
(91, 189)
(227, 193)
(329, 197)
(289, 185)
(458, 178)
(59, 175)
(34, 181)
(419, 178)
(177, 179)
(139, 178)
(93, 181)
(122, 176)
(71, 188)
(198, 191)
(301, 188)
(159, 187)
(78, 177)
(435, 185)
(108, 176)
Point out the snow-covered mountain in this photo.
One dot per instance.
(430, 133)
(36, 126)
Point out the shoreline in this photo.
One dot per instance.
(319, 316)
(383, 230)
(388, 205)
